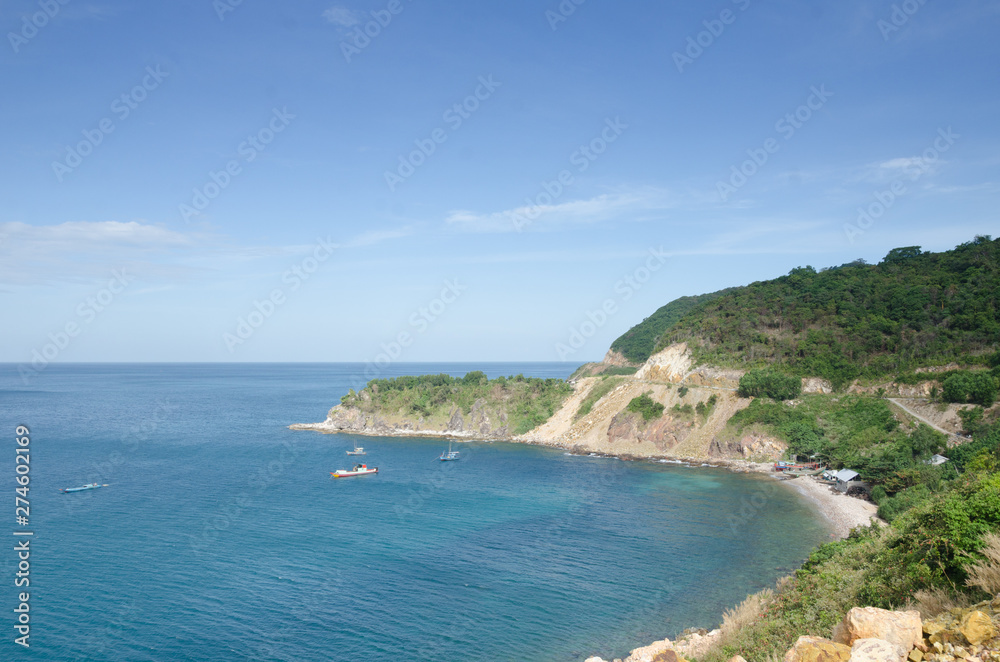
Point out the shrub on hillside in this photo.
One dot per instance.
(646, 407)
(769, 384)
(978, 387)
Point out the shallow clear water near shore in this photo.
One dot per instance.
(222, 536)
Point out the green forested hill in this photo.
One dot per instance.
(913, 308)
(638, 343)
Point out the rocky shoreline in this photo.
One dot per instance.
(867, 634)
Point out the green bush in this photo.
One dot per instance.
(645, 406)
(759, 383)
(979, 387)
(889, 508)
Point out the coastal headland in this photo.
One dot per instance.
(890, 371)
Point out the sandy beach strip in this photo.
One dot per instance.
(843, 512)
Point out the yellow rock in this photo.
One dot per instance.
(977, 627)
(817, 649)
(915, 655)
(930, 627)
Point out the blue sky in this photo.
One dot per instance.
(199, 181)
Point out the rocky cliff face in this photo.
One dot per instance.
(671, 365)
(627, 429)
(616, 358)
(675, 365)
(754, 447)
(919, 390)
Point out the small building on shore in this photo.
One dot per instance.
(846, 479)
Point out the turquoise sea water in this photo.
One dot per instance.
(221, 536)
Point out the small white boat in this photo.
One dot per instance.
(358, 470)
(358, 450)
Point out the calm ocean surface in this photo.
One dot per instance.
(221, 536)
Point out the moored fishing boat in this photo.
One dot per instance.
(88, 486)
(450, 455)
(358, 470)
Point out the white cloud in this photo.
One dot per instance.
(342, 16)
(84, 251)
(626, 205)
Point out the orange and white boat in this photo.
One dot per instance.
(358, 470)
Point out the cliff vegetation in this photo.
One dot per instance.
(524, 402)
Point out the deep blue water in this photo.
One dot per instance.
(221, 536)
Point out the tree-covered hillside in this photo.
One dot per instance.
(857, 320)
(638, 343)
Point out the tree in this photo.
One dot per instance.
(769, 383)
(897, 255)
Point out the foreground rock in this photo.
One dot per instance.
(900, 628)
(963, 634)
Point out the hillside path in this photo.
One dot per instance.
(920, 418)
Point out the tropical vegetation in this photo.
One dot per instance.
(527, 401)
